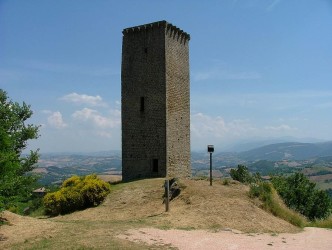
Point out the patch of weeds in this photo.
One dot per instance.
(265, 192)
(201, 177)
(3, 221)
(2, 237)
(187, 228)
(226, 182)
(215, 228)
(327, 223)
(164, 227)
(169, 246)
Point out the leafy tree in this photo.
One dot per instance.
(243, 175)
(14, 134)
(300, 194)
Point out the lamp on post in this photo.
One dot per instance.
(210, 149)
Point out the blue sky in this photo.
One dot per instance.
(259, 68)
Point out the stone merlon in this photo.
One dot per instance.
(170, 29)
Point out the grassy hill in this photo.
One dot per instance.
(139, 204)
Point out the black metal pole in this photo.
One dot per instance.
(167, 195)
(210, 169)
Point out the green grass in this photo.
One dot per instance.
(272, 203)
(38, 212)
(327, 223)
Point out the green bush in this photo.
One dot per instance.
(300, 194)
(265, 192)
(243, 175)
(76, 193)
(226, 182)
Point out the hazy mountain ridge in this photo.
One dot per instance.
(274, 158)
(288, 151)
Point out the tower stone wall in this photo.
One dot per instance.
(155, 93)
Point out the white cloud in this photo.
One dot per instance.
(204, 126)
(84, 99)
(282, 127)
(104, 134)
(216, 130)
(98, 120)
(55, 120)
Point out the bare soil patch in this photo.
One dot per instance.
(310, 238)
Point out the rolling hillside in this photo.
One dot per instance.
(288, 151)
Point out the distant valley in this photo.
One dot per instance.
(313, 159)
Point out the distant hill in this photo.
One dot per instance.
(288, 151)
(254, 143)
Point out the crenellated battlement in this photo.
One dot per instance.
(170, 29)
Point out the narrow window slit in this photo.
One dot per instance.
(142, 104)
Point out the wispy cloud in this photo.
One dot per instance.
(82, 99)
(282, 127)
(97, 119)
(272, 5)
(203, 125)
(324, 105)
(207, 129)
(104, 134)
(55, 120)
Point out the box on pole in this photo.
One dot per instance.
(210, 149)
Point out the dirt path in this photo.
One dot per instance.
(310, 238)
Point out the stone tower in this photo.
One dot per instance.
(155, 92)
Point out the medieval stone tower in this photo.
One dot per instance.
(155, 102)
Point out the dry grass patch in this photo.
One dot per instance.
(199, 206)
(21, 229)
(139, 204)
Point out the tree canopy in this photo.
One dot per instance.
(300, 194)
(14, 135)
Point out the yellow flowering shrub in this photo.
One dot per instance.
(52, 202)
(72, 181)
(76, 193)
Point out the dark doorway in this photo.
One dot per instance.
(155, 165)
